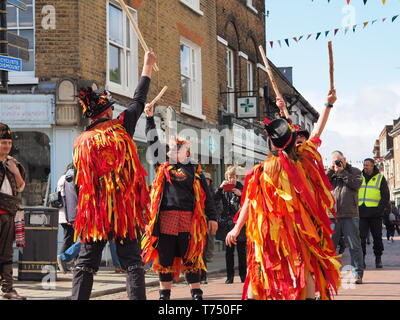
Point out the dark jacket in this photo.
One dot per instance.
(346, 185)
(155, 148)
(230, 206)
(376, 212)
(387, 212)
(10, 203)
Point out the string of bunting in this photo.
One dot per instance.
(365, 1)
(334, 32)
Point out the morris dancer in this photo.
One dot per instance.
(113, 194)
(285, 204)
(176, 236)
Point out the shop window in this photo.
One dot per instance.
(32, 149)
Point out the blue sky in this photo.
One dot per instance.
(367, 65)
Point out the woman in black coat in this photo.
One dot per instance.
(230, 192)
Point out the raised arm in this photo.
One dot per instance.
(156, 152)
(323, 118)
(135, 108)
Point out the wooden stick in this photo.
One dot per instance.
(284, 112)
(270, 73)
(159, 96)
(136, 29)
(331, 65)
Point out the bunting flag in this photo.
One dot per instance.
(334, 32)
(365, 1)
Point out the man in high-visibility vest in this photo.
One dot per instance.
(373, 199)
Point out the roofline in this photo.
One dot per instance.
(305, 103)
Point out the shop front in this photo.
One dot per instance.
(42, 148)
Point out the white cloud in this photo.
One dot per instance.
(356, 121)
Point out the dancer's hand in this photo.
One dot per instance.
(232, 236)
(331, 98)
(149, 61)
(150, 58)
(149, 110)
(212, 227)
(280, 102)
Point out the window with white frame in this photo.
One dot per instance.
(230, 77)
(250, 78)
(22, 23)
(191, 78)
(397, 172)
(383, 148)
(193, 4)
(122, 71)
(251, 6)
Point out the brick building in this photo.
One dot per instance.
(242, 75)
(208, 57)
(395, 135)
(386, 160)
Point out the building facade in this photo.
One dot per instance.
(218, 89)
(245, 92)
(395, 135)
(386, 160)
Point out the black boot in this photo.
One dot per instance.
(136, 283)
(229, 280)
(165, 294)
(378, 262)
(197, 294)
(364, 264)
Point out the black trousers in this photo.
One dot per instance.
(169, 247)
(375, 226)
(7, 236)
(390, 228)
(68, 237)
(230, 261)
(88, 262)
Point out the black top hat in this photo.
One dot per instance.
(94, 102)
(281, 133)
(5, 132)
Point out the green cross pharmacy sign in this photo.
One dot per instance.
(247, 107)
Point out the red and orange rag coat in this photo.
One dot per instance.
(193, 259)
(288, 228)
(113, 194)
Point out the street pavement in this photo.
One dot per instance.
(378, 284)
(105, 282)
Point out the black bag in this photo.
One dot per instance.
(55, 200)
(9, 203)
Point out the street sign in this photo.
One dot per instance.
(10, 64)
(247, 107)
(18, 47)
(17, 3)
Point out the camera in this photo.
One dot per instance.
(338, 163)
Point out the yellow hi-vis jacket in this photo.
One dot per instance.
(370, 193)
